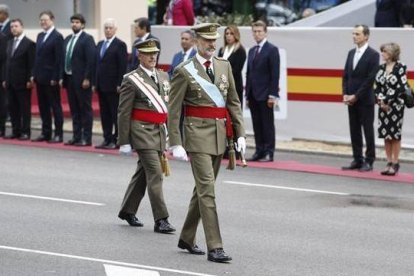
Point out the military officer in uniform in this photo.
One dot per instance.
(142, 114)
(204, 85)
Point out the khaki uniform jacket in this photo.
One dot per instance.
(200, 134)
(141, 135)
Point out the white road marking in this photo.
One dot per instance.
(102, 261)
(53, 199)
(114, 270)
(285, 188)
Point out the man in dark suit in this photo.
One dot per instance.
(142, 116)
(262, 91)
(19, 65)
(387, 13)
(142, 32)
(188, 50)
(46, 74)
(5, 21)
(3, 95)
(79, 61)
(357, 89)
(111, 62)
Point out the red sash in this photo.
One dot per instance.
(210, 112)
(148, 116)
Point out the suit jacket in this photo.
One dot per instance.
(111, 68)
(141, 135)
(200, 134)
(83, 58)
(177, 59)
(262, 77)
(133, 61)
(6, 31)
(236, 59)
(387, 13)
(360, 81)
(3, 55)
(19, 66)
(48, 64)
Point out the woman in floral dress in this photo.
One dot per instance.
(390, 84)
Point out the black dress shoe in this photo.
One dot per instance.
(366, 167)
(255, 157)
(267, 158)
(111, 146)
(163, 226)
(353, 166)
(71, 142)
(102, 145)
(11, 136)
(131, 219)
(191, 249)
(56, 139)
(218, 255)
(24, 137)
(41, 138)
(83, 143)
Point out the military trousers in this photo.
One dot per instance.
(147, 175)
(203, 204)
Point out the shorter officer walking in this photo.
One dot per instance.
(142, 114)
(205, 86)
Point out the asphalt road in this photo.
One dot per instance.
(59, 217)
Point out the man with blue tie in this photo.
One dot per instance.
(46, 74)
(142, 32)
(111, 62)
(188, 50)
(262, 91)
(79, 60)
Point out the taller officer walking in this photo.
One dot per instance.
(142, 114)
(204, 85)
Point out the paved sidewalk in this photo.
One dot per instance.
(294, 145)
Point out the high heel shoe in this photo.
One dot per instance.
(387, 169)
(394, 169)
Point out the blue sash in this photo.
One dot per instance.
(211, 89)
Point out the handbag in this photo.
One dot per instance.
(409, 97)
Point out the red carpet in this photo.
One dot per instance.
(277, 165)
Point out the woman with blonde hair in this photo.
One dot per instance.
(234, 52)
(390, 84)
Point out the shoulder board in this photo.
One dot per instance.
(221, 59)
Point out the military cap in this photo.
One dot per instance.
(147, 46)
(207, 30)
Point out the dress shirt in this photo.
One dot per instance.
(202, 60)
(150, 73)
(358, 54)
(47, 33)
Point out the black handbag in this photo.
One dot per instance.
(409, 97)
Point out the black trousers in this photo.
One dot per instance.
(361, 117)
(20, 110)
(49, 100)
(3, 108)
(80, 104)
(108, 107)
(263, 127)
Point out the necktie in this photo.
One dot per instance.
(14, 47)
(68, 58)
(256, 52)
(44, 37)
(357, 56)
(153, 78)
(209, 71)
(103, 48)
(182, 56)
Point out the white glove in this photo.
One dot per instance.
(179, 153)
(241, 145)
(125, 150)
